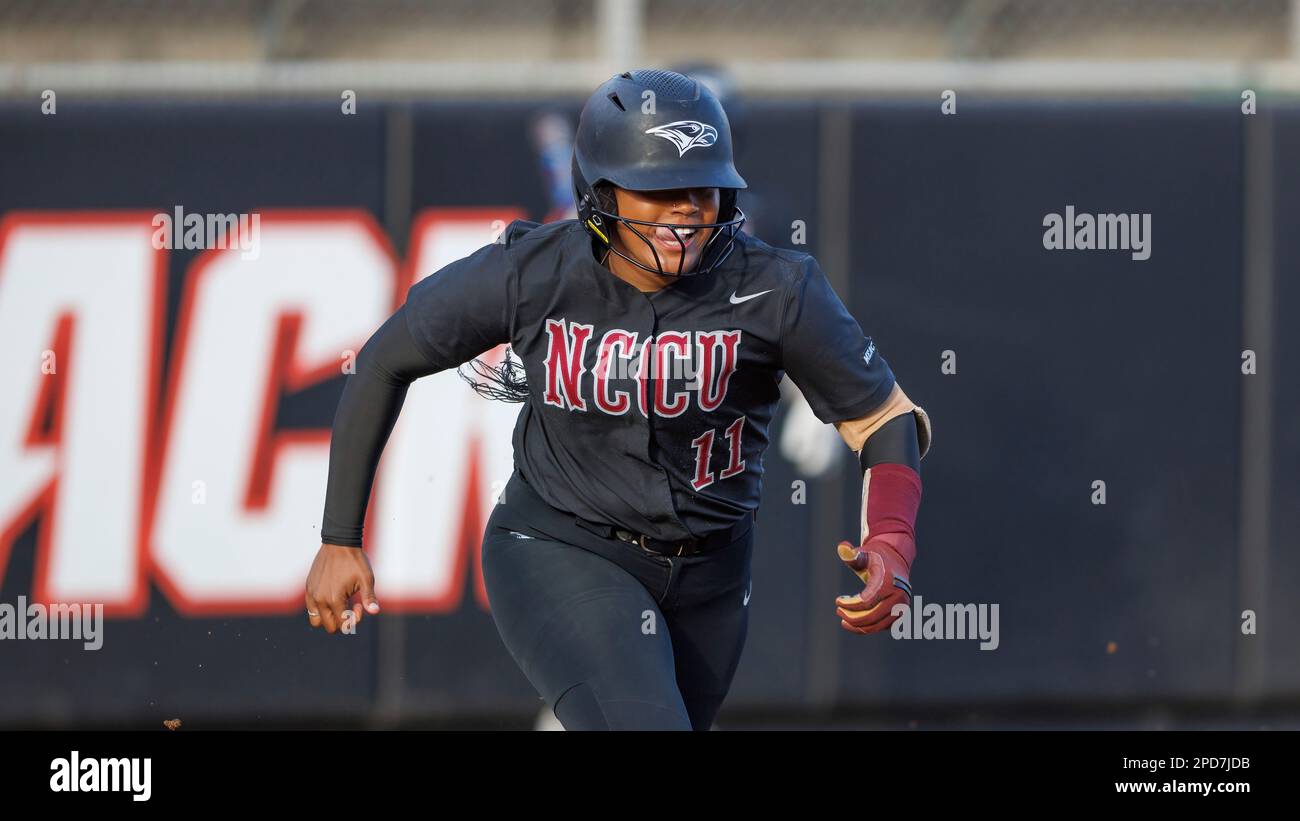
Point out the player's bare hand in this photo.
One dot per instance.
(884, 574)
(338, 574)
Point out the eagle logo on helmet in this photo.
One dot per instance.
(686, 134)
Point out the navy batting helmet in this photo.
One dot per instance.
(678, 137)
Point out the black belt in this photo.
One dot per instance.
(685, 547)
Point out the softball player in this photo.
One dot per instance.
(652, 335)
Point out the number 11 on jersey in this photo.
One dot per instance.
(704, 451)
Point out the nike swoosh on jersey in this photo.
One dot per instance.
(736, 300)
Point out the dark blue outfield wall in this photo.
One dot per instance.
(1071, 367)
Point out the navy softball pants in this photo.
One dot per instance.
(611, 636)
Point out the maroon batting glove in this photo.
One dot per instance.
(891, 496)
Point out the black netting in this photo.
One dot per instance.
(504, 382)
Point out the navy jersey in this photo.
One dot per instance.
(650, 411)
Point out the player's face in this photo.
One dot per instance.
(683, 206)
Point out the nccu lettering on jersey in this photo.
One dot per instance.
(650, 410)
(706, 358)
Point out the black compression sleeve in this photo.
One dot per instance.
(895, 442)
(372, 398)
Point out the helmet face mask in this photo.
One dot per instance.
(682, 140)
(603, 224)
